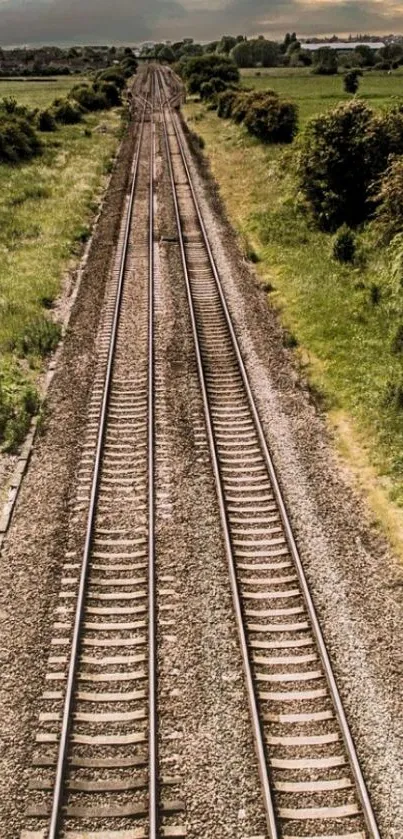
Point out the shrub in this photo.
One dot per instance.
(352, 81)
(271, 119)
(88, 98)
(110, 92)
(397, 340)
(19, 402)
(344, 245)
(390, 197)
(114, 75)
(46, 121)
(209, 89)
(394, 395)
(343, 153)
(18, 138)
(66, 112)
(240, 107)
(225, 103)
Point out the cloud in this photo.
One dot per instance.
(84, 21)
(128, 21)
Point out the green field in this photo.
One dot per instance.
(341, 319)
(37, 93)
(46, 208)
(315, 94)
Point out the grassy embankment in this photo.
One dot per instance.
(46, 207)
(338, 317)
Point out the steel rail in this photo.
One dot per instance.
(367, 809)
(152, 668)
(75, 645)
(257, 731)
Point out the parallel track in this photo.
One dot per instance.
(97, 768)
(311, 778)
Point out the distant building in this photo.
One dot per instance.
(344, 46)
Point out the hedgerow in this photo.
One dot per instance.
(265, 115)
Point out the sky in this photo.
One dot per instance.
(132, 21)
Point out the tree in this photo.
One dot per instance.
(227, 43)
(325, 62)
(198, 70)
(352, 81)
(166, 53)
(242, 54)
(366, 54)
(265, 53)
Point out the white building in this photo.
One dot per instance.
(343, 46)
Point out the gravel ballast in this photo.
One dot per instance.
(355, 580)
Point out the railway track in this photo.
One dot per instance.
(96, 769)
(97, 773)
(311, 778)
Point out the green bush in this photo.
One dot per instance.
(114, 75)
(110, 92)
(351, 81)
(18, 138)
(225, 103)
(271, 119)
(19, 402)
(40, 337)
(390, 198)
(240, 106)
(66, 112)
(343, 152)
(208, 90)
(46, 121)
(88, 98)
(344, 245)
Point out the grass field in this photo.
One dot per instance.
(37, 93)
(46, 207)
(340, 318)
(315, 94)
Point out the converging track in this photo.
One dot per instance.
(311, 778)
(97, 772)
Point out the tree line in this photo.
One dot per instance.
(261, 52)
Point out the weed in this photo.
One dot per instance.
(19, 402)
(39, 338)
(375, 294)
(290, 341)
(397, 341)
(344, 245)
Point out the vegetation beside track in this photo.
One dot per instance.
(340, 318)
(46, 209)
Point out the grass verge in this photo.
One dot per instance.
(340, 318)
(46, 209)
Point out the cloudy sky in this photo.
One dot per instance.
(127, 21)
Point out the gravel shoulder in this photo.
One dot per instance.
(32, 555)
(355, 579)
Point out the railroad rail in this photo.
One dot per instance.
(311, 778)
(96, 769)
